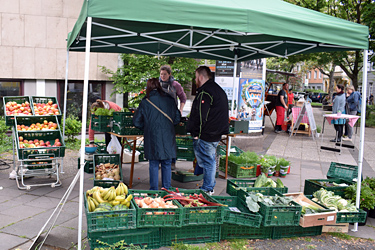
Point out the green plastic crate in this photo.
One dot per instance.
(89, 166)
(101, 148)
(296, 231)
(46, 99)
(144, 238)
(151, 217)
(242, 194)
(233, 185)
(180, 128)
(202, 215)
(239, 127)
(40, 162)
(186, 178)
(351, 217)
(238, 170)
(9, 119)
(280, 215)
(50, 135)
(107, 158)
(184, 142)
(110, 220)
(101, 123)
(237, 212)
(124, 119)
(343, 171)
(231, 231)
(221, 150)
(185, 154)
(190, 235)
(311, 186)
(126, 130)
(29, 120)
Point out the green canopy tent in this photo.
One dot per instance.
(236, 30)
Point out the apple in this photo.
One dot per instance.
(57, 140)
(20, 138)
(58, 144)
(50, 102)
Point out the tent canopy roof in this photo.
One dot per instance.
(212, 29)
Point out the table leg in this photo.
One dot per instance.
(132, 164)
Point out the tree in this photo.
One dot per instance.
(133, 75)
(358, 11)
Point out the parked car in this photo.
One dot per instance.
(318, 97)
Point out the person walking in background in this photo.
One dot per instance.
(371, 100)
(339, 107)
(156, 116)
(290, 101)
(209, 120)
(104, 105)
(352, 102)
(281, 106)
(172, 88)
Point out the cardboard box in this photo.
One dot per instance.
(336, 228)
(312, 220)
(127, 156)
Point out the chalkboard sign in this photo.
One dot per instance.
(310, 116)
(306, 109)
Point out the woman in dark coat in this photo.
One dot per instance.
(156, 116)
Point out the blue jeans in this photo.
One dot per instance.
(205, 153)
(166, 173)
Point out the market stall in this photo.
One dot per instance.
(220, 30)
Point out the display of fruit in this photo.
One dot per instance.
(23, 143)
(46, 125)
(148, 202)
(107, 171)
(106, 199)
(48, 108)
(13, 108)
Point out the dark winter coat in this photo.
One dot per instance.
(209, 116)
(159, 134)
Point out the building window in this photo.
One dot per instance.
(318, 87)
(309, 75)
(75, 96)
(315, 73)
(320, 75)
(10, 88)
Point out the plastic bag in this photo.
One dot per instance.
(114, 146)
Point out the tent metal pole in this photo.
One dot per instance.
(234, 96)
(84, 121)
(362, 132)
(234, 83)
(65, 97)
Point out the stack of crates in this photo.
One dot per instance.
(123, 124)
(185, 150)
(338, 173)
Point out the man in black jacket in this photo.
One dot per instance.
(209, 120)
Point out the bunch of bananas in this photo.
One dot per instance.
(98, 195)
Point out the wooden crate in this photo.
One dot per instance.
(336, 228)
(311, 220)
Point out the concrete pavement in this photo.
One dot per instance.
(23, 213)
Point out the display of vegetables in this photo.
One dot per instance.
(107, 171)
(329, 184)
(103, 111)
(263, 181)
(332, 201)
(253, 198)
(101, 199)
(245, 157)
(192, 200)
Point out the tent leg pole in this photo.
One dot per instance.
(234, 96)
(84, 121)
(362, 132)
(65, 97)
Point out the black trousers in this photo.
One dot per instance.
(339, 129)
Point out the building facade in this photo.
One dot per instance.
(34, 54)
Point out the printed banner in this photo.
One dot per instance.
(250, 100)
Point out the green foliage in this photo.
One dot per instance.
(318, 129)
(367, 198)
(103, 111)
(118, 245)
(72, 128)
(132, 77)
(245, 157)
(314, 90)
(5, 140)
(283, 162)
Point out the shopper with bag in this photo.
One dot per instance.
(105, 105)
(157, 115)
